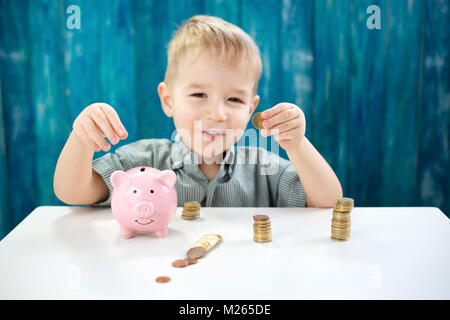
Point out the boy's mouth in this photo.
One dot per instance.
(212, 134)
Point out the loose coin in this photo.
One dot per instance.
(162, 279)
(180, 263)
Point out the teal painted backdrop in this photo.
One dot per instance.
(377, 102)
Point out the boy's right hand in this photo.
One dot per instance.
(96, 122)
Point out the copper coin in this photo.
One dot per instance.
(191, 261)
(257, 120)
(180, 263)
(163, 279)
(260, 217)
(196, 252)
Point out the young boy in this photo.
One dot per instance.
(210, 92)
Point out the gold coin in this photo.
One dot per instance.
(337, 239)
(262, 229)
(340, 232)
(188, 217)
(340, 235)
(343, 207)
(340, 220)
(341, 215)
(258, 120)
(341, 226)
(262, 239)
(269, 237)
(333, 227)
(191, 212)
(192, 204)
(345, 200)
(343, 210)
(257, 222)
(262, 224)
(262, 232)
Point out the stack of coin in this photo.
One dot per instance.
(262, 231)
(191, 210)
(340, 223)
(202, 246)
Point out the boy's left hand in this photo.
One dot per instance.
(286, 122)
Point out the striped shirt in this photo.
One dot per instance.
(248, 176)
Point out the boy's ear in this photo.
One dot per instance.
(164, 96)
(254, 104)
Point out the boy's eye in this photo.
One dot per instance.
(199, 95)
(235, 100)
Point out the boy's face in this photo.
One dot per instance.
(211, 103)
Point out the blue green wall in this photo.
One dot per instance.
(377, 102)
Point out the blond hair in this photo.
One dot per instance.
(226, 41)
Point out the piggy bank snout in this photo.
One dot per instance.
(144, 210)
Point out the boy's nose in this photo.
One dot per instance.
(217, 112)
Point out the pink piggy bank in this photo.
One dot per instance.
(144, 199)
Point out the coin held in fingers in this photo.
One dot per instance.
(257, 120)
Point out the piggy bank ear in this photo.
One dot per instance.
(118, 177)
(167, 177)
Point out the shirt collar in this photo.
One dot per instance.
(181, 154)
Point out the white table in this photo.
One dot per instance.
(77, 253)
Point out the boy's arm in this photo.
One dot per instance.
(75, 182)
(319, 181)
(287, 123)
